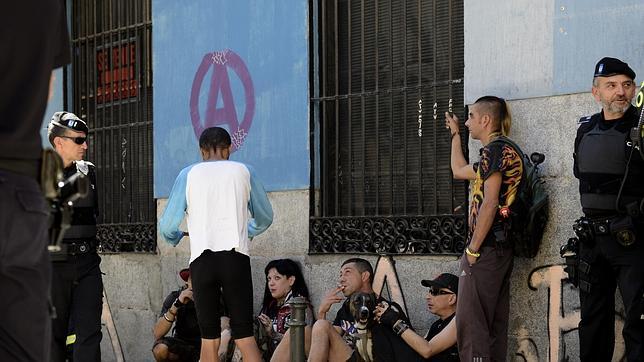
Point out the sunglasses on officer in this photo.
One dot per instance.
(77, 140)
(436, 292)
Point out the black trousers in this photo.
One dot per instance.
(612, 265)
(25, 270)
(77, 294)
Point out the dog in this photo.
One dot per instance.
(362, 306)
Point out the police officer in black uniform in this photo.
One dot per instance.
(77, 287)
(611, 252)
(33, 42)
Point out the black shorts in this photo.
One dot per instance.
(227, 274)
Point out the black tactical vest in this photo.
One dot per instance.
(602, 155)
(83, 224)
(602, 152)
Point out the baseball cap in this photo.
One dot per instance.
(607, 67)
(445, 280)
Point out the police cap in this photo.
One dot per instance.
(68, 120)
(608, 67)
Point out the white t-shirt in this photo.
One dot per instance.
(224, 204)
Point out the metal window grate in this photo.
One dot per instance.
(112, 90)
(387, 70)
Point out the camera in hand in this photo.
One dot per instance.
(68, 191)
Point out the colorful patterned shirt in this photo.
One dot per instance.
(497, 156)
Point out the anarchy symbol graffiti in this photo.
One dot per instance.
(221, 62)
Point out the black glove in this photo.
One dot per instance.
(390, 316)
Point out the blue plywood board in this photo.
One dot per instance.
(240, 65)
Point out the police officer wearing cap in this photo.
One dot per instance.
(77, 287)
(611, 252)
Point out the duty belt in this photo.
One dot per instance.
(80, 247)
(601, 226)
(586, 228)
(620, 226)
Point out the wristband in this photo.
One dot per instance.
(168, 319)
(178, 303)
(471, 253)
(400, 326)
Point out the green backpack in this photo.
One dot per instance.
(529, 211)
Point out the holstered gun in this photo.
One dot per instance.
(570, 251)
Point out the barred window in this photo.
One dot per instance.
(111, 89)
(384, 72)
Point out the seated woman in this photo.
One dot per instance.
(284, 281)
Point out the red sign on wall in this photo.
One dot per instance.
(116, 69)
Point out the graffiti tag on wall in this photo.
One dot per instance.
(561, 320)
(219, 63)
(385, 279)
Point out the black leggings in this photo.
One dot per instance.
(224, 273)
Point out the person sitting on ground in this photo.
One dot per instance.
(284, 281)
(439, 343)
(179, 314)
(348, 338)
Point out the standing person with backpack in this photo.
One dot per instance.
(485, 268)
(610, 171)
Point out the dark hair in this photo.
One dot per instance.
(53, 132)
(362, 265)
(288, 268)
(497, 108)
(213, 138)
